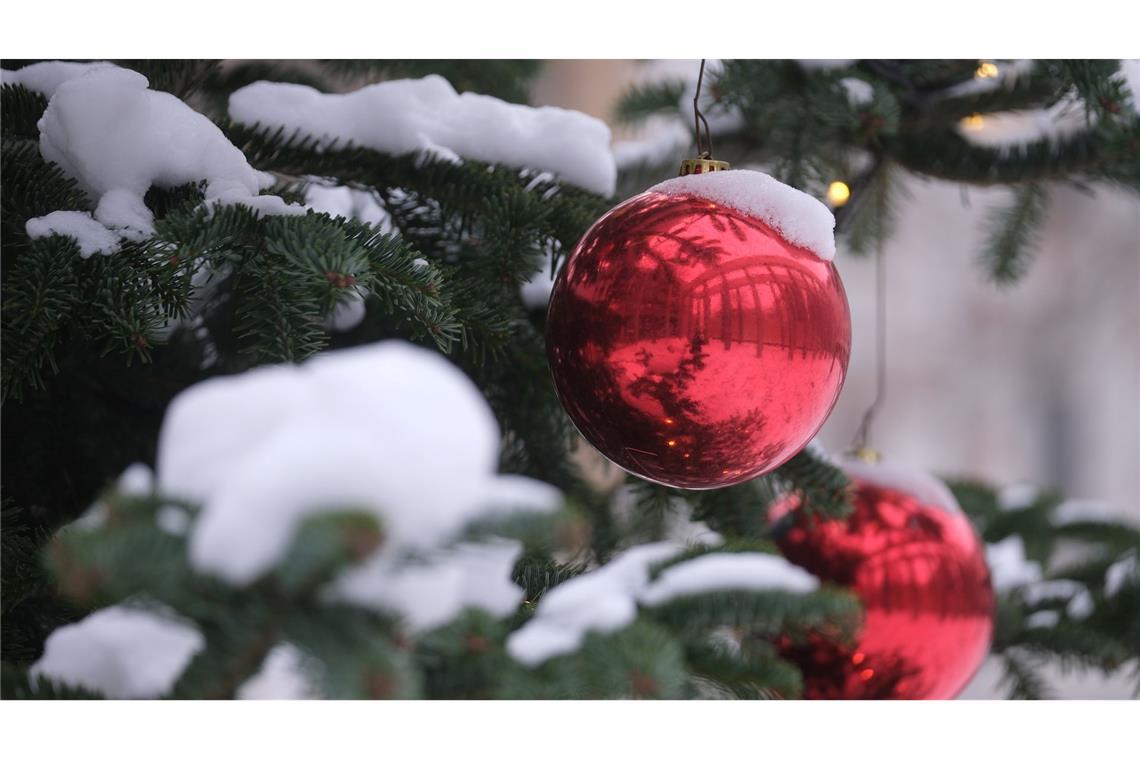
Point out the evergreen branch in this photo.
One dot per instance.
(1023, 682)
(640, 102)
(1074, 645)
(180, 77)
(1040, 87)
(868, 220)
(1012, 235)
(762, 612)
(537, 574)
(32, 187)
(641, 661)
(744, 676)
(17, 683)
(461, 188)
(357, 656)
(946, 155)
(40, 296)
(737, 511)
(21, 109)
(278, 316)
(823, 488)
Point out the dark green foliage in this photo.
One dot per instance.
(180, 77)
(1100, 630)
(801, 126)
(767, 613)
(16, 683)
(21, 109)
(641, 661)
(738, 511)
(756, 674)
(642, 101)
(822, 487)
(95, 349)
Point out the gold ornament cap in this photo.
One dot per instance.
(868, 455)
(703, 165)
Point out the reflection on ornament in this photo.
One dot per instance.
(692, 344)
(918, 568)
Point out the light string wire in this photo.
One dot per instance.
(863, 434)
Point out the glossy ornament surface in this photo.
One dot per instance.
(693, 345)
(918, 567)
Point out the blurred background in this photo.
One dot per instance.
(1036, 383)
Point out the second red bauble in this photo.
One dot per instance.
(912, 557)
(698, 334)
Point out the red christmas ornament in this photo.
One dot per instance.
(696, 336)
(918, 567)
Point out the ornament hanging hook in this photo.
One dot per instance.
(699, 119)
(704, 162)
(863, 434)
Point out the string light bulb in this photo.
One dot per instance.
(987, 70)
(973, 121)
(838, 193)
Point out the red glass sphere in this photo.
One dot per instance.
(919, 569)
(693, 345)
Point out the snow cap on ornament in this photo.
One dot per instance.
(698, 335)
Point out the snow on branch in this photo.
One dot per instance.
(606, 599)
(105, 128)
(388, 429)
(409, 115)
(120, 652)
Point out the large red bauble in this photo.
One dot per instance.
(693, 345)
(918, 568)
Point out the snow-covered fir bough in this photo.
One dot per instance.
(278, 420)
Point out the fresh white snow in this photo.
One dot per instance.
(1018, 496)
(284, 675)
(601, 601)
(117, 138)
(1080, 606)
(45, 77)
(801, 219)
(136, 480)
(859, 91)
(410, 115)
(431, 593)
(91, 236)
(1053, 589)
(1008, 566)
(348, 313)
(368, 429)
(1119, 572)
(347, 202)
(663, 140)
(173, 520)
(1043, 619)
(885, 473)
(120, 652)
(1082, 510)
(750, 571)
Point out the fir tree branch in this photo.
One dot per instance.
(1012, 236)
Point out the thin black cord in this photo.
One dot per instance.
(864, 432)
(699, 118)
